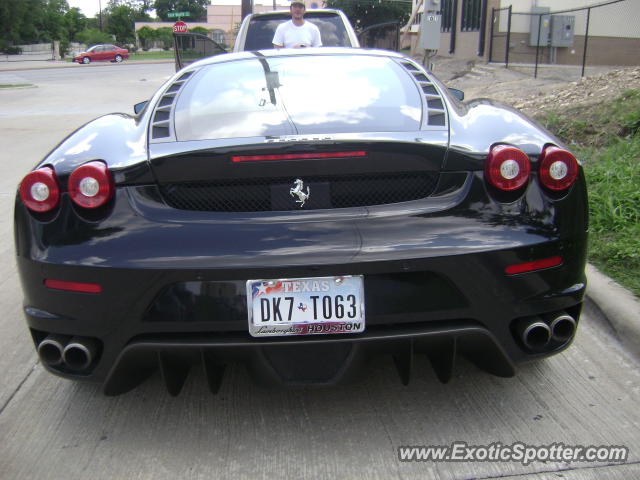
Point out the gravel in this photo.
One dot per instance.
(557, 87)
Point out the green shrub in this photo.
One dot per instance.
(200, 30)
(92, 36)
(12, 50)
(165, 35)
(146, 35)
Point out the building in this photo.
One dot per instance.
(499, 30)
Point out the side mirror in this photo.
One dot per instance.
(459, 94)
(138, 107)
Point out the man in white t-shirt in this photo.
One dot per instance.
(297, 33)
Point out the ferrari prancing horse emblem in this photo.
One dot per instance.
(298, 191)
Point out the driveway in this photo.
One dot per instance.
(53, 428)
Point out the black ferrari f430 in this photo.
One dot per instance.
(299, 212)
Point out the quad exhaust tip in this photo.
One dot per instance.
(550, 331)
(536, 335)
(79, 353)
(51, 348)
(75, 353)
(562, 328)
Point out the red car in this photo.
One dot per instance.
(98, 53)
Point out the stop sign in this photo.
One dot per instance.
(180, 27)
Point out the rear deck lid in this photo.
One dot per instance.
(297, 95)
(353, 122)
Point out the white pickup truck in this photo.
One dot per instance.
(257, 30)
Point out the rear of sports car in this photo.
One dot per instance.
(301, 212)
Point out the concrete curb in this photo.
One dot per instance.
(618, 304)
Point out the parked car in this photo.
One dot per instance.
(301, 211)
(102, 53)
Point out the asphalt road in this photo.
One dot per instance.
(53, 428)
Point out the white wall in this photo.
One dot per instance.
(618, 20)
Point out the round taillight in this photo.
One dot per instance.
(91, 185)
(507, 168)
(558, 168)
(39, 190)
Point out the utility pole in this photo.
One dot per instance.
(100, 9)
(246, 8)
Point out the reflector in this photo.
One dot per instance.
(72, 286)
(534, 265)
(296, 156)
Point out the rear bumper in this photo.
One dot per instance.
(173, 283)
(439, 307)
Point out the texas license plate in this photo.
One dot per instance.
(306, 306)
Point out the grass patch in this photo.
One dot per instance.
(155, 55)
(597, 125)
(606, 137)
(613, 178)
(15, 85)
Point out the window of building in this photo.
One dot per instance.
(418, 19)
(471, 15)
(447, 15)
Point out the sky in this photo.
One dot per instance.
(90, 8)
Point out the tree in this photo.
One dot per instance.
(364, 13)
(120, 22)
(75, 22)
(34, 21)
(91, 36)
(24, 21)
(196, 8)
(11, 18)
(120, 17)
(165, 35)
(146, 35)
(53, 19)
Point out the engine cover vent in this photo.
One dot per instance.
(161, 122)
(436, 114)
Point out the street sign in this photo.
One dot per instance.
(180, 27)
(178, 14)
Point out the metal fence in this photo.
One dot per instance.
(577, 36)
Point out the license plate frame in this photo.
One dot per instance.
(289, 304)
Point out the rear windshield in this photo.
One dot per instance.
(262, 28)
(297, 95)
